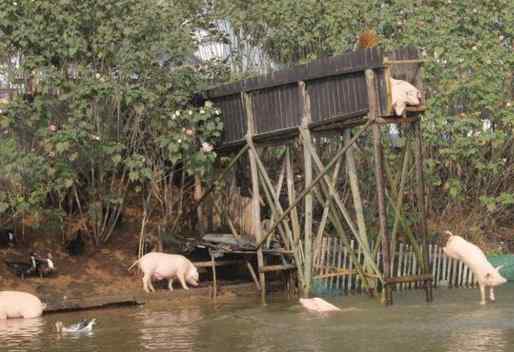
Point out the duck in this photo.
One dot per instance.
(85, 325)
(23, 269)
(45, 266)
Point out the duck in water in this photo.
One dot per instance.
(84, 325)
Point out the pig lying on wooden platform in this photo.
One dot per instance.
(16, 304)
(487, 275)
(160, 266)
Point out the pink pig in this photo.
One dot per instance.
(161, 266)
(16, 304)
(475, 259)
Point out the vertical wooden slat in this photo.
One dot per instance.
(400, 265)
(350, 266)
(339, 265)
(345, 267)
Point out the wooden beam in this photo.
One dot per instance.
(412, 278)
(379, 176)
(270, 268)
(307, 160)
(420, 195)
(313, 184)
(73, 304)
(254, 276)
(208, 264)
(256, 207)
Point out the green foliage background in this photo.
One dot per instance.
(111, 76)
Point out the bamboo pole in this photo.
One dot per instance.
(256, 207)
(291, 195)
(214, 283)
(313, 184)
(307, 235)
(357, 202)
(254, 276)
(379, 176)
(420, 195)
(331, 194)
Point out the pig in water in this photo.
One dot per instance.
(161, 266)
(16, 304)
(318, 305)
(475, 259)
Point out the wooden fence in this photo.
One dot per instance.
(334, 271)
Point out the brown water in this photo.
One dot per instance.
(455, 322)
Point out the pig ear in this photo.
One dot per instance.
(488, 275)
(499, 267)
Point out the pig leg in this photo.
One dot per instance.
(482, 294)
(147, 283)
(170, 284)
(182, 280)
(491, 294)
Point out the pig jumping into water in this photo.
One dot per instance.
(160, 266)
(16, 304)
(487, 275)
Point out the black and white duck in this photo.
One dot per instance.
(85, 325)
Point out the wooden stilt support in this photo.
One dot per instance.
(256, 207)
(379, 176)
(214, 283)
(305, 101)
(254, 276)
(420, 195)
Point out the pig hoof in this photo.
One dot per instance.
(482, 302)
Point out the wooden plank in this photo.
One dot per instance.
(73, 304)
(409, 279)
(270, 268)
(208, 264)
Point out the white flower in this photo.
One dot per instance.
(98, 76)
(474, 47)
(95, 137)
(189, 132)
(202, 111)
(52, 128)
(179, 141)
(509, 104)
(206, 147)
(190, 112)
(177, 113)
(501, 37)
(208, 104)
(217, 112)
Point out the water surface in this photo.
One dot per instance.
(455, 322)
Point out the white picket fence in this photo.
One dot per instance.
(334, 271)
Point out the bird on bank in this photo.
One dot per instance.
(84, 325)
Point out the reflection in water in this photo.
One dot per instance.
(169, 331)
(479, 340)
(21, 334)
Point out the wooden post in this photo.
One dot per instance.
(420, 195)
(305, 101)
(379, 176)
(256, 207)
(199, 212)
(357, 204)
(214, 283)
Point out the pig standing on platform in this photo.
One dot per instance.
(160, 266)
(16, 304)
(487, 275)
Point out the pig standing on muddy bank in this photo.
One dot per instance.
(160, 266)
(16, 304)
(487, 275)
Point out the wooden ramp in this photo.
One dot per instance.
(72, 304)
